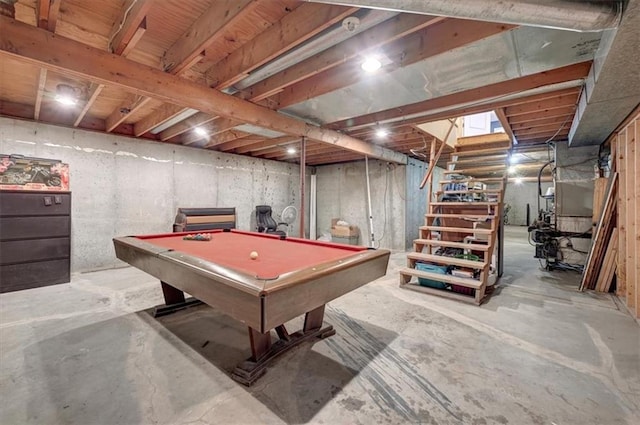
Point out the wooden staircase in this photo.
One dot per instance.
(455, 255)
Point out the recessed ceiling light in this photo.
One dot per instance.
(200, 131)
(381, 132)
(518, 180)
(291, 150)
(66, 100)
(371, 64)
(512, 169)
(513, 159)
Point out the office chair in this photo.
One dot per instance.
(266, 223)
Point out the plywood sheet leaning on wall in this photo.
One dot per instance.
(605, 277)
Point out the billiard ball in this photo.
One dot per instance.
(253, 255)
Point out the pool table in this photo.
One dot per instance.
(289, 277)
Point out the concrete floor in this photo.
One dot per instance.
(538, 352)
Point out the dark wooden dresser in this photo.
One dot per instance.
(35, 239)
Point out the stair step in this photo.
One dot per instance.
(481, 152)
(449, 244)
(441, 259)
(456, 230)
(474, 180)
(467, 192)
(462, 281)
(473, 217)
(465, 204)
(444, 293)
(487, 169)
(484, 158)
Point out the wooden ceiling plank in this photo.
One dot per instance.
(136, 37)
(502, 117)
(47, 14)
(124, 32)
(203, 33)
(213, 128)
(388, 31)
(42, 80)
(503, 88)
(298, 26)
(94, 92)
(41, 48)
(557, 132)
(225, 137)
(430, 41)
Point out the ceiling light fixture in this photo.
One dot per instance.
(291, 150)
(513, 159)
(381, 132)
(66, 95)
(371, 64)
(512, 169)
(518, 180)
(200, 131)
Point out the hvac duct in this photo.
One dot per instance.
(583, 16)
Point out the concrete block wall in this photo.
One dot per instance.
(123, 186)
(342, 192)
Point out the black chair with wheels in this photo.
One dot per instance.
(265, 223)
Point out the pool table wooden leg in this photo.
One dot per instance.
(174, 301)
(263, 351)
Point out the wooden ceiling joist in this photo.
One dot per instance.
(386, 32)
(42, 80)
(552, 113)
(294, 28)
(47, 14)
(196, 120)
(94, 92)
(502, 117)
(528, 125)
(129, 27)
(255, 147)
(503, 88)
(298, 26)
(432, 40)
(32, 45)
(545, 105)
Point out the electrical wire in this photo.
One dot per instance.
(124, 19)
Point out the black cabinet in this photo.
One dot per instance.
(35, 239)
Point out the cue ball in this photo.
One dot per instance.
(253, 255)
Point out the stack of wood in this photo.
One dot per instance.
(601, 262)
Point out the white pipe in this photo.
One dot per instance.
(372, 237)
(583, 16)
(313, 208)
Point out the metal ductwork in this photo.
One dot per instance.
(572, 15)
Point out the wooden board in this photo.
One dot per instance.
(609, 264)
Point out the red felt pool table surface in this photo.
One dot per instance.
(275, 256)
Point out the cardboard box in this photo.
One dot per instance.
(343, 231)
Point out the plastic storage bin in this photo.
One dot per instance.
(431, 268)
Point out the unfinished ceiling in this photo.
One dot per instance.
(255, 77)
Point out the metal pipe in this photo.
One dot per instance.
(372, 237)
(313, 206)
(582, 16)
(303, 178)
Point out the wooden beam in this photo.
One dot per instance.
(47, 14)
(545, 129)
(432, 40)
(503, 88)
(203, 33)
(137, 36)
(42, 80)
(94, 92)
(381, 34)
(506, 126)
(126, 30)
(32, 45)
(298, 26)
